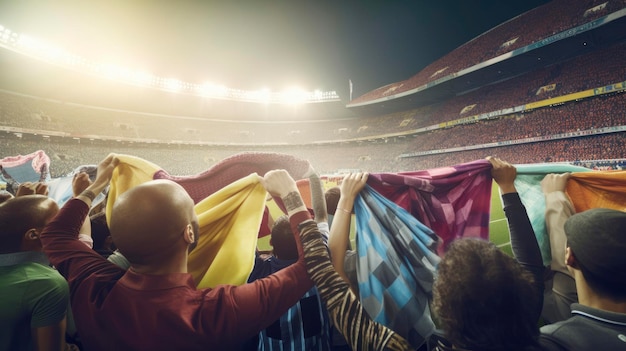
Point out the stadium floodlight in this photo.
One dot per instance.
(293, 96)
(5, 36)
(142, 78)
(52, 53)
(14, 37)
(114, 72)
(172, 84)
(262, 95)
(212, 90)
(73, 60)
(31, 45)
(27, 43)
(48, 52)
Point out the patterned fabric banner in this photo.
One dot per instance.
(585, 188)
(528, 184)
(18, 169)
(606, 189)
(60, 189)
(453, 201)
(396, 266)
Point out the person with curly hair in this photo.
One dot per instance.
(484, 299)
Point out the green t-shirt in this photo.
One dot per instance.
(32, 296)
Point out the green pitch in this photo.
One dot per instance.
(498, 226)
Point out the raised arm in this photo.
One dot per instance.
(81, 182)
(344, 308)
(339, 238)
(258, 304)
(558, 210)
(74, 260)
(29, 188)
(104, 174)
(318, 200)
(523, 240)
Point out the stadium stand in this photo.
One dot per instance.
(568, 77)
(571, 111)
(530, 27)
(78, 126)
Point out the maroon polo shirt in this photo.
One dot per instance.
(116, 309)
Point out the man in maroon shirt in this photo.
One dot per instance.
(155, 304)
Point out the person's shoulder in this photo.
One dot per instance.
(46, 278)
(42, 273)
(579, 332)
(550, 329)
(43, 290)
(34, 278)
(550, 338)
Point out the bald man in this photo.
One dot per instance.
(155, 304)
(34, 297)
(160, 208)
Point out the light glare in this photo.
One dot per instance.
(30, 46)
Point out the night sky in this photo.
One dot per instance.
(254, 44)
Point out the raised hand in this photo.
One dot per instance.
(503, 174)
(80, 182)
(554, 182)
(32, 188)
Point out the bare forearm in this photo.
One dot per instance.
(89, 194)
(293, 203)
(317, 198)
(50, 338)
(558, 210)
(85, 229)
(340, 235)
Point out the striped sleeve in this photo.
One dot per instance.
(344, 308)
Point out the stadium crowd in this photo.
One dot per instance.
(152, 141)
(581, 151)
(39, 115)
(169, 259)
(381, 156)
(530, 27)
(575, 75)
(571, 117)
(138, 289)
